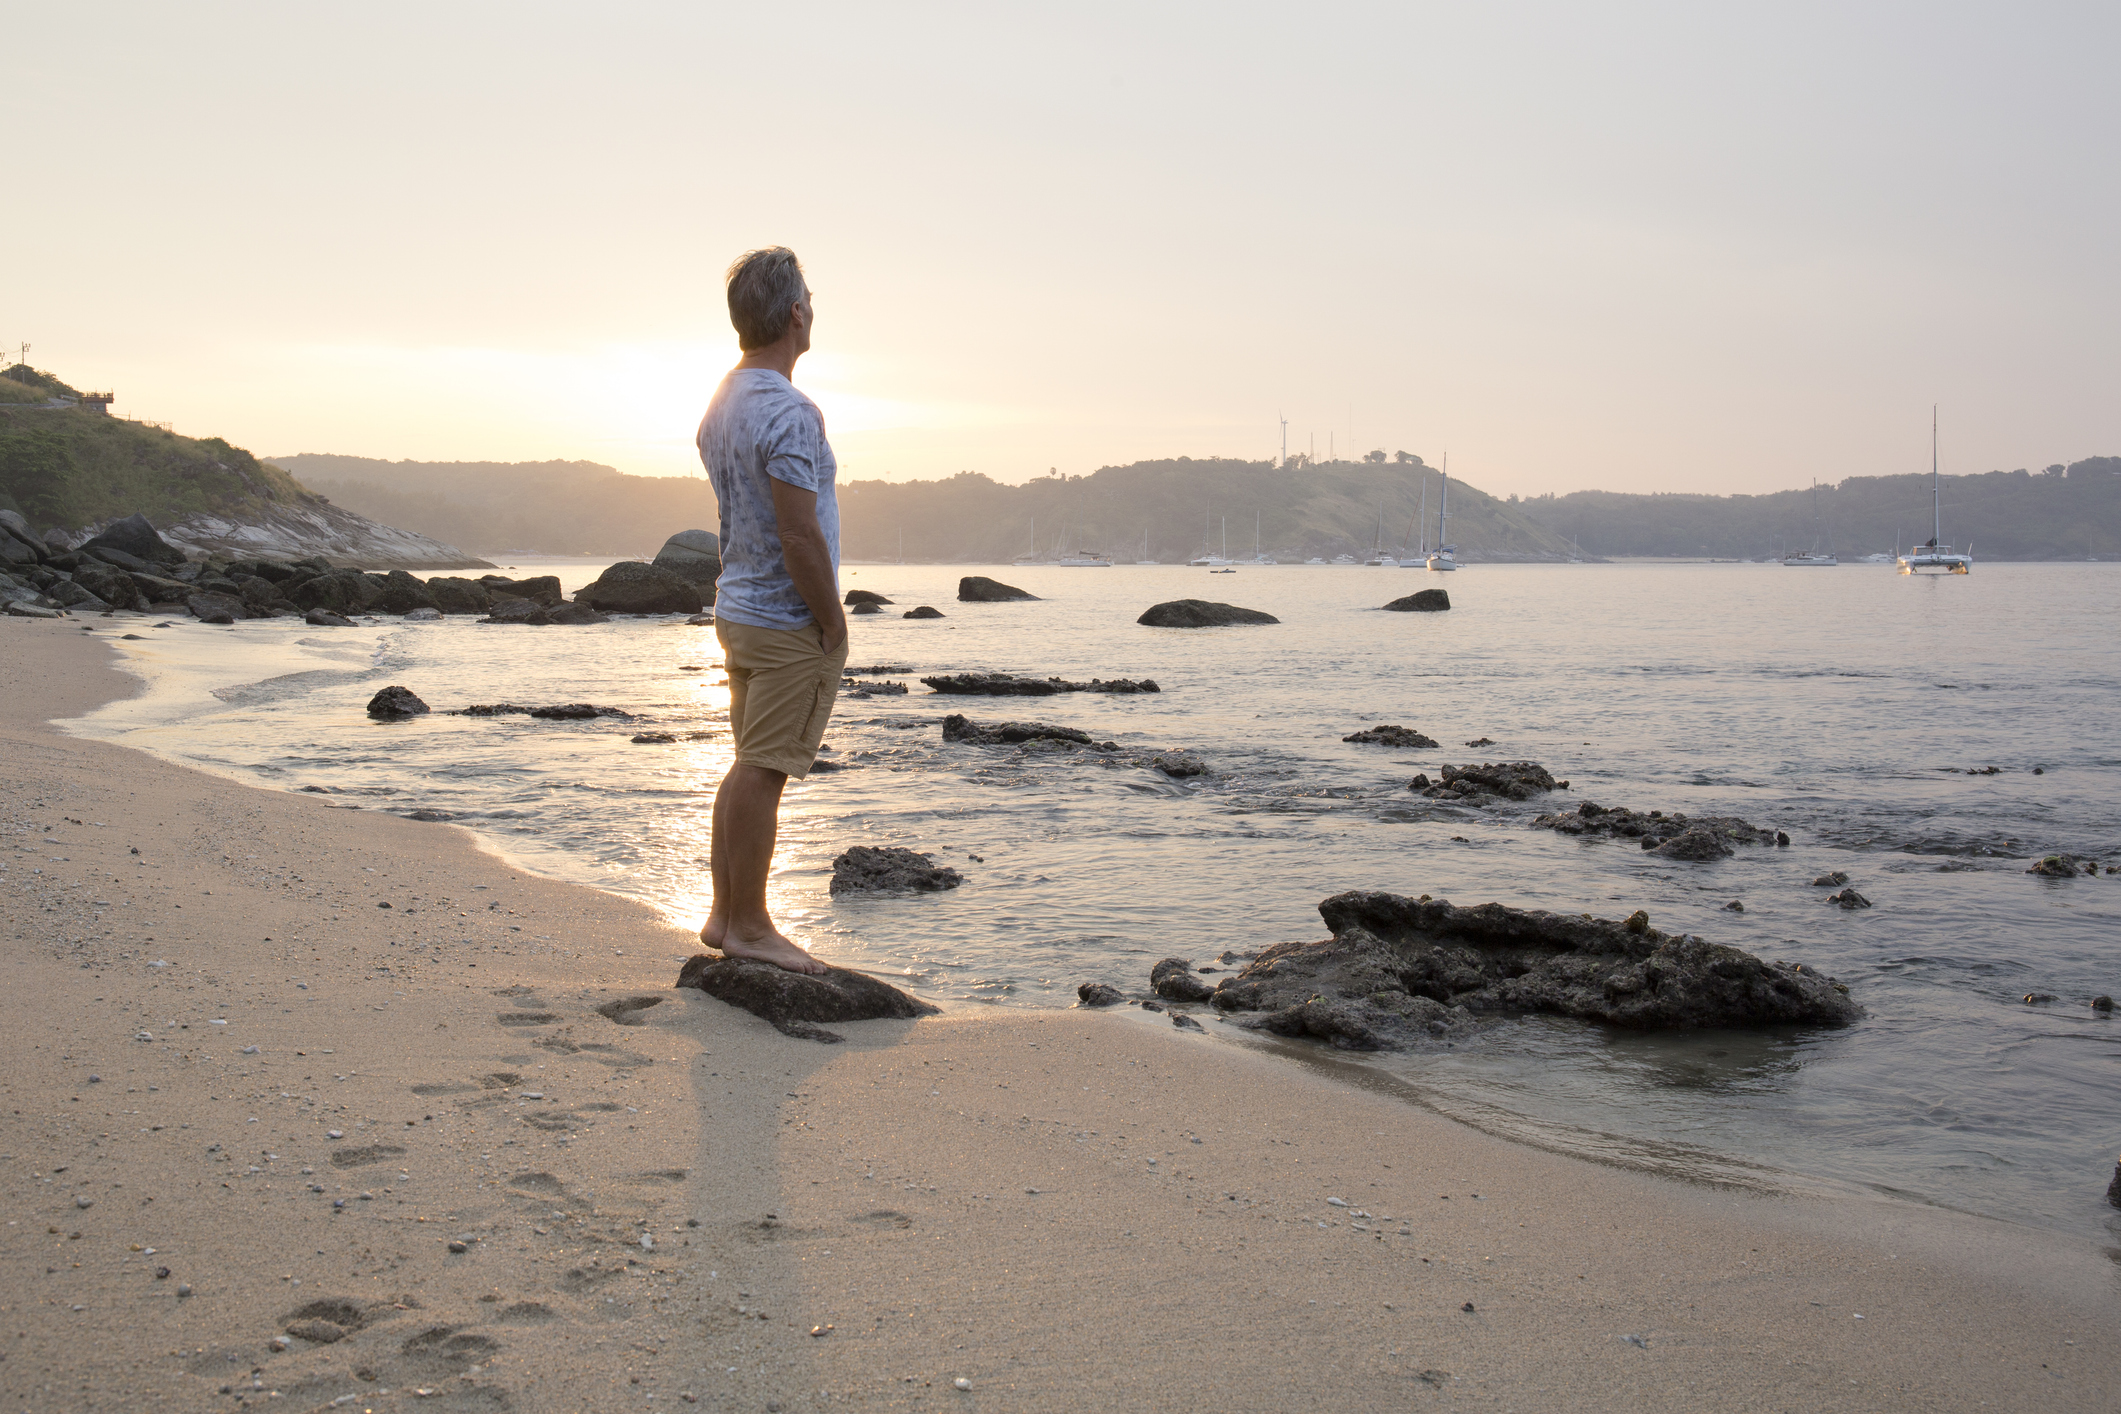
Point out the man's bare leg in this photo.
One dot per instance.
(746, 822)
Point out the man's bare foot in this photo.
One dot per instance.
(713, 931)
(773, 948)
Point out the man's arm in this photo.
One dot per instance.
(809, 562)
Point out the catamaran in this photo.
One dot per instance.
(1936, 555)
(1446, 556)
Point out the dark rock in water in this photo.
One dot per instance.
(2102, 1003)
(542, 590)
(2063, 866)
(1179, 765)
(1476, 785)
(2038, 998)
(795, 1002)
(1390, 734)
(864, 687)
(401, 594)
(1173, 980)
(670, 738)
(453, 594)
(1200, 613)
(1422, 601)
(1148, 1005)
(574, 614)
(867, 869)
(431, 816)
(1830, 881)
(563, 712)
(632, 587)
(1734, 906)
(978, 589)
(325, 618)
(2113, 1187)
(925, 611)
(964, 729)
(216, 608)
(1849, 899)
(694, 556)
(867, 607)
(1479, 742)
(1098, 994)
(1699, 843)
(863, 596)
(395, 701)
(1652, 829)
(423, 616)
(518, 611)
(1006, 685)
(135, 536)
(1185, 1023)
(341, 591)
(1398, 971)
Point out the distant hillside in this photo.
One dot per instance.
(66, 467)
(554, 508)
(2060, 513)
(1182, 506)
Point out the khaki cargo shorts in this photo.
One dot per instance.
(782, 684)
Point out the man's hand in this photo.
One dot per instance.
(808, 560)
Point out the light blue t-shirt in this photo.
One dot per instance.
(759, 426)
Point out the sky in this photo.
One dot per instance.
(1630, 246)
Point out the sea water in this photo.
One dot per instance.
(1843, 706)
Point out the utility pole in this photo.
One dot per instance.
(1284, 440)
(23, 356)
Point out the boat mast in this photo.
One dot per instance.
(1443, 509)
(1936, 505)
(1422, 520)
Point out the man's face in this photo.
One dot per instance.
(805, 315)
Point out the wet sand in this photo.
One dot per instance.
(229, 1063)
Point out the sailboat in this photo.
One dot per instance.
(1936, 555)
(1420, 558)
(1257, 557)
(1813, 558)
(1213, 561)
(1378, 558)
(1446, 556)
(1034, 558)
(1145, 560)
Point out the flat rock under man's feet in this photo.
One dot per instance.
(795, 1002)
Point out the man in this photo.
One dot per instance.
(777, 605)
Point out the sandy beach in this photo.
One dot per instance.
(322, 1108)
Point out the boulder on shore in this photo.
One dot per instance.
(136, 537)
(1174, 981)
(863, 596)
(1200, 613)
(395, 702)
(888, 869)
(401, 594)
(634, 587)
(1398, 971)
(1096, 994)
(694, 556)
(795, 1002)
(454, 594)
(216, 608)
(1422, 601)
(542, 590)
(325, 618)
(978, 589)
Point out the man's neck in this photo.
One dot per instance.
(780, 357)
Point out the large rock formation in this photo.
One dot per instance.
(1661, 832)
(1422, 601)
(694, 556)
(286, 531)
(1398, 970)
(1200, 613)
(1391, 734)
(795, 1002)
(963, 729)
(135, 537)
(863, 596)
(978, 589)
(632, 587)
(1006, 685)
(542, 589)
(1477, 785)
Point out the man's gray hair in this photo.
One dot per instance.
(763, 286)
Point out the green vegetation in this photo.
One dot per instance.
(2060, 513)
(23, 384)
(66, 467)
(1304, 510)
(487, 508)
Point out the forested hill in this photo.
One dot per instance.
(2062, 513)
(1181, 508)
(553, 508)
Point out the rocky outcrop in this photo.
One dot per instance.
(325, 618)
(1173, 979)
(1200, 613)
(865, 869)
(134, 536)
(289, 531)
(1095, 994)
(978, 589)
(694, 556)
(963, 729)
(2063, 866)
(1005, 685)
(340, 591)
(863, 596)
(558, 712)
(925, 611)
(1478, 785)
(394, 703)
(1390, 734)
(633, 587)
(1421, 601)
(795, 1002)
(866, 608)
(453, 594)
(1849, 899)
(1656, 830)
(216, 608)
(1365, 987)
(542, 590)
(400, 593)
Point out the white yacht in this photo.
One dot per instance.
(1083, 560)
(1446, 556)
(1936, 555)
(1812, 559)
(1314, 560)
